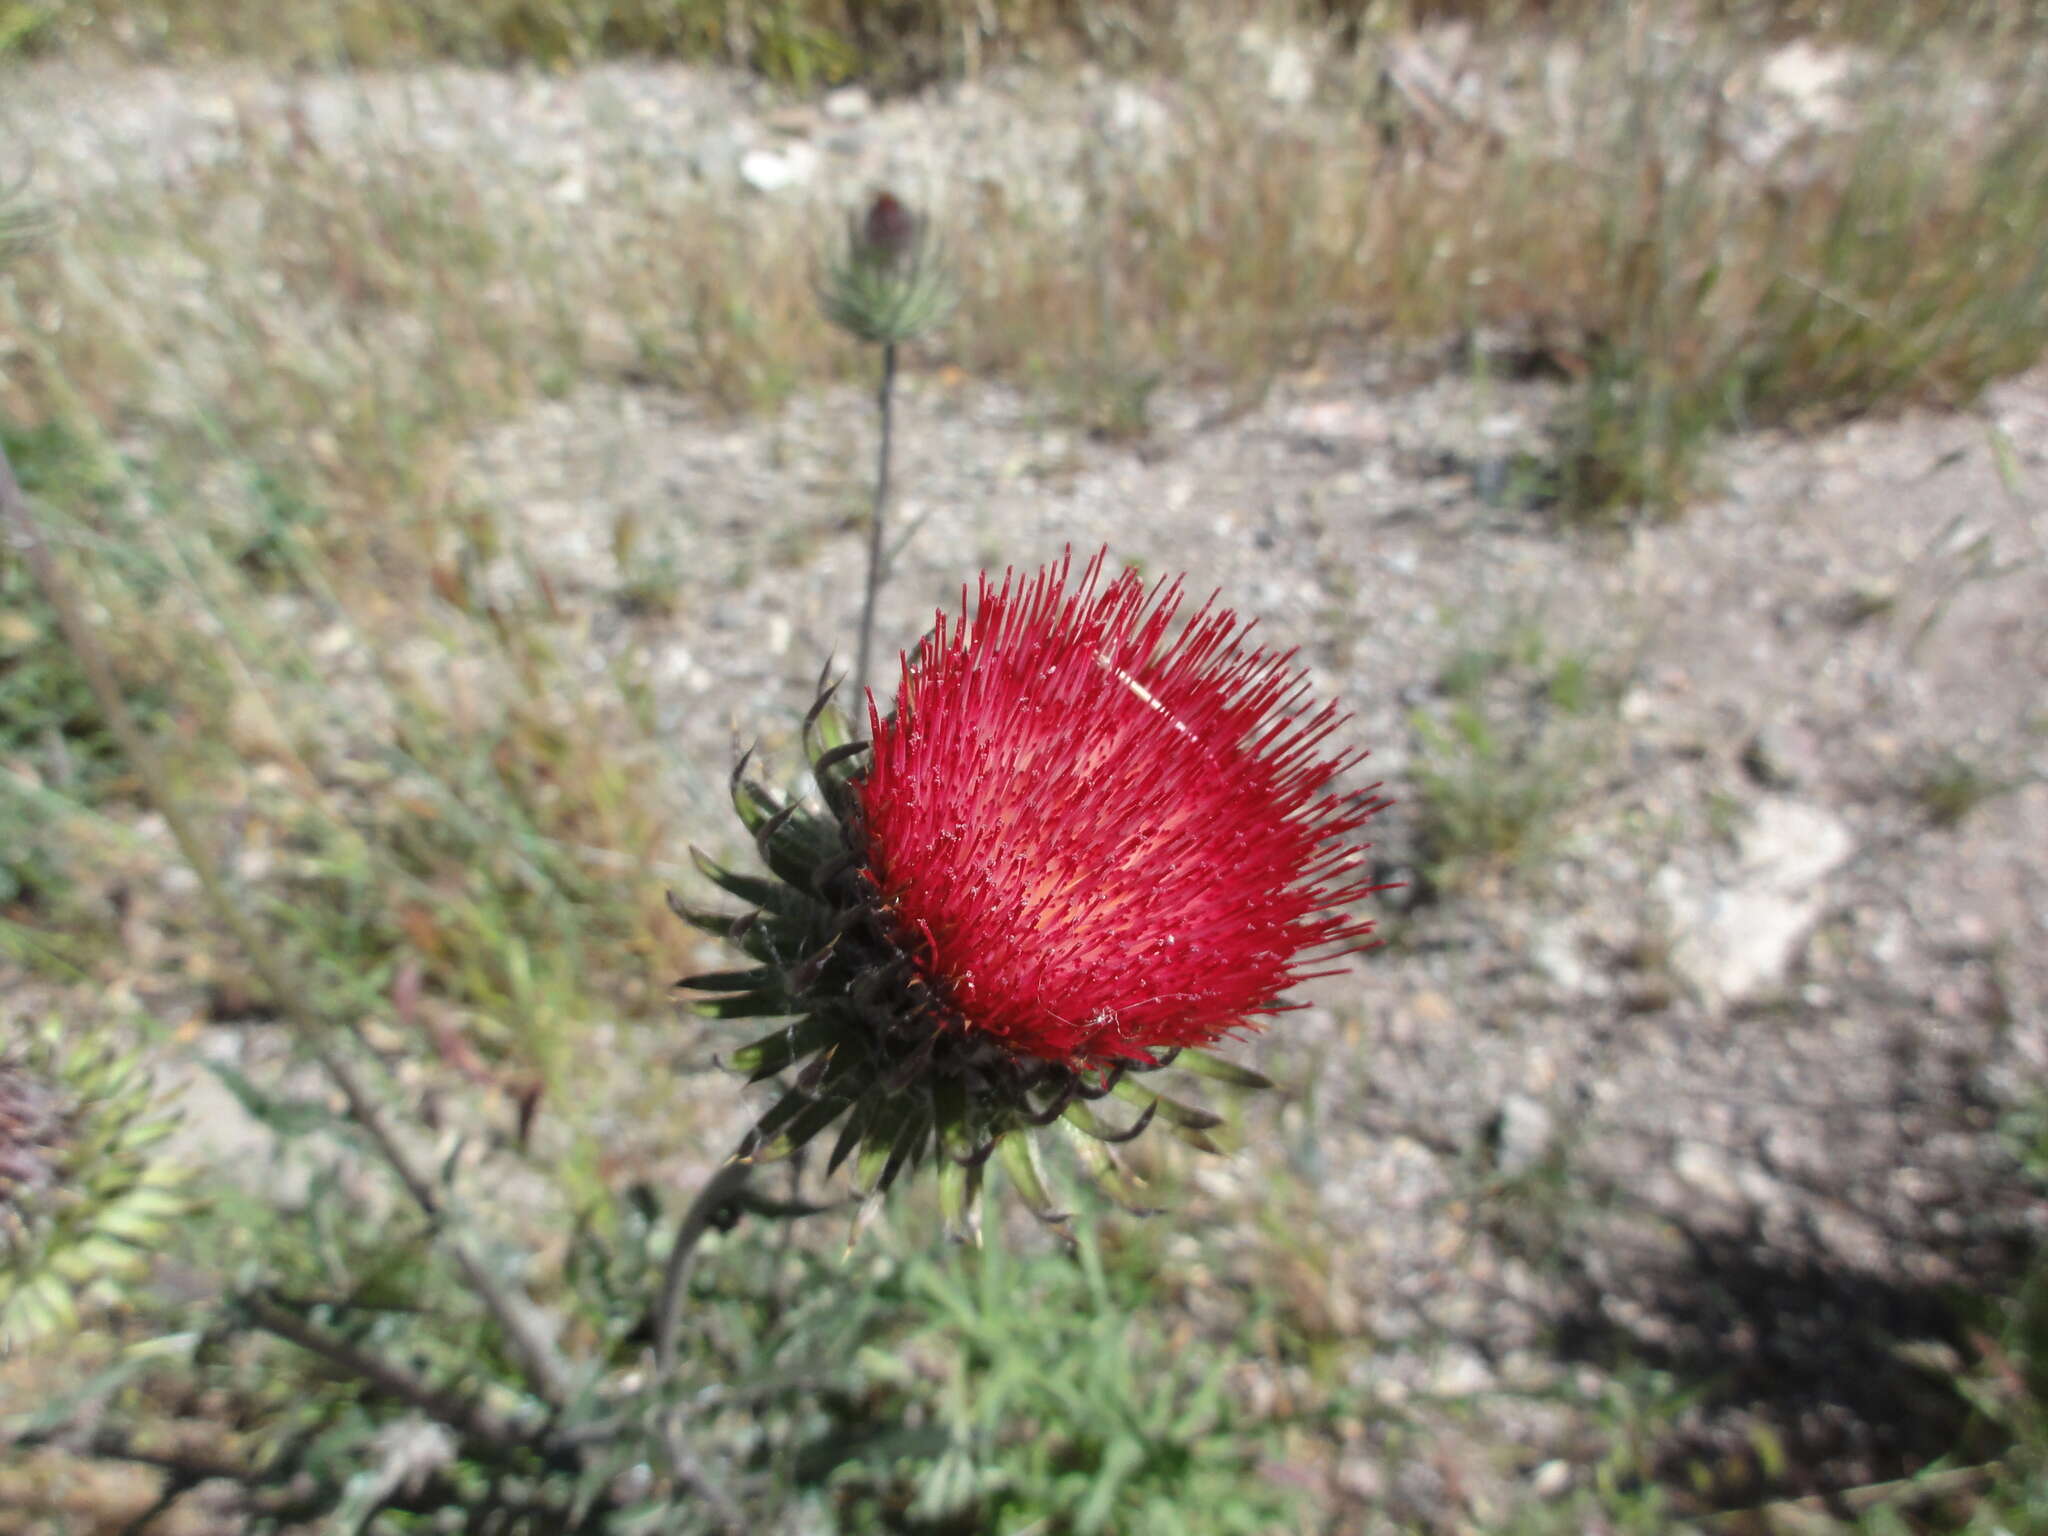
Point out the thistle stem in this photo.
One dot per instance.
(722, 1189)
(877, 555)
(545, 1372)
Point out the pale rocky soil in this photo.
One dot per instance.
(1753, 997)
(1763, 1011)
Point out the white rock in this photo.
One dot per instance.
(1458, 1372)
(1551, 1479)
(1554, 950)
(1705, 1168)
(1790, 845)
(1712, 1171)
(779, 170)
(1731, 945)
(1734, 939)
(847, 103)
(1810, 78)
(1135, 113)
(1527, 1130)
(1290, 76)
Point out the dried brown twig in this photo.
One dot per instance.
(546, 1374)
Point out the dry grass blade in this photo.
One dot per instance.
(24, 222)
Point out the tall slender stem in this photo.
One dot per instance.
(545, 1372)
(877, 556)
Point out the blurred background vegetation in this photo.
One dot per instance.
(806, 42)
(240, 396)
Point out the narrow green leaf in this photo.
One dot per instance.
(905, 1150)
(823, 1110)
(766, 1004)
(770, 896)
(1019, 1152)
(960, 1200)
(1215, 1068)
(758, 979)
(755, 805)
(1107, 1174)
(771, 1053)
(875, 1154)
(1182, 1117)
(1081, 1116)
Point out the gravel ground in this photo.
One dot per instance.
(1763, 1007)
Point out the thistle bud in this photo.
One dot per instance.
(888, 284)
(890, 233)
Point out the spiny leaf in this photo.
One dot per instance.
(960, 1199)
(1084, 1119)
(796, 846)
(906, 1148)
(1197, 1127)
(867, 1168)
(768, 1003)
(1020, 1159)
(824, 1109)
(1106, 1173)
(1216, 1069)
(769, 895)
(761, 938)
(754, 802)
(855, 1132)
(831, 761)
(771, 1053)
(804, 1102)
(756, 980)
(1171, 1110)
(731, 926)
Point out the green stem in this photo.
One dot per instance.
(722, 1189)
(877, 557)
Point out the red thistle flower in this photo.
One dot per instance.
(1086, 845)
(1103, 842)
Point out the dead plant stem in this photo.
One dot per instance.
(546, 1375)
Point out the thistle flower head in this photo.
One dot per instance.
(1088, 843)
(1108, 842)
(888, 283)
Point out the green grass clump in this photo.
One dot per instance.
(1905, 274)
(1060, 1405)
(1505, 756)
